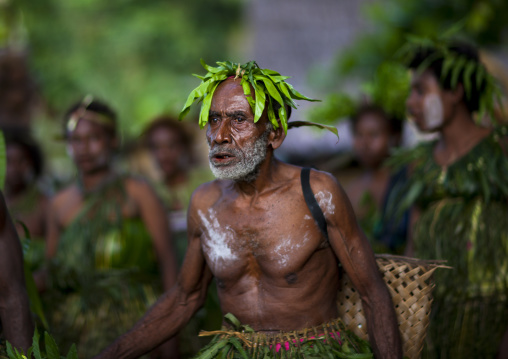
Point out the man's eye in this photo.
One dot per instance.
(213, 120)
(239, 119)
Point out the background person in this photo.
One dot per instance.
(108, 241)
(458, 191)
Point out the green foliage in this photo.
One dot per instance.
(268, 86)
(134, 54)
(388, 90)
(52, 351)
(31, 288)
(481, 21)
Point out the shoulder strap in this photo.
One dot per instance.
(314, 208)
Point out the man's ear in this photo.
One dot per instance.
(276, 137)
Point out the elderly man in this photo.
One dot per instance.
(14, 310)
(276, 270)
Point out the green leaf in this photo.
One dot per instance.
(51, 348)
(470, 67)
(298, 96)
(332, 129)
(457, 69)
(205, 106)
(260, 102)
(447, 65)
(272, 90)
(231, 319)
(35, 344)
(248, 93)
(73, 353)
(197, 93)
(480, 76)
(238, 346)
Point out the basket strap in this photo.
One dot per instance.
(312, 204)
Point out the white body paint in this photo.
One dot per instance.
(217, 239)
(324, 199)
(433, 111)
(287, 246)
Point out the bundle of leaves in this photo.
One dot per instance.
(270, 89)
(36, 351)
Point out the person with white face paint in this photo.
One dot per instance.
(252, 230)
(458, 193)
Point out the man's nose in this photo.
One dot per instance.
(222, 133)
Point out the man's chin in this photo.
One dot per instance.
(232, 173)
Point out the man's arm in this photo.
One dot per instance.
(357, 259)
(174, 309)
(154, 216)
(14, 310)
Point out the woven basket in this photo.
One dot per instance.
(410, 283)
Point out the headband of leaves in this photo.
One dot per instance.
(269, 87)
(388, 90)
(459, 67)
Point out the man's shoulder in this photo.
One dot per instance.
(207, 192)
(321, 180)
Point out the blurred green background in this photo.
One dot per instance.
(138, 54)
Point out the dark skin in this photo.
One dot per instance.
(91, 147)
(274, 269)
(458, 134)
(19, 165)
(372, 141)
(15, 315)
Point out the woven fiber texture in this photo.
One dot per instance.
(410, 283)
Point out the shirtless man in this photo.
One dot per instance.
(15, 315)
(252, 230)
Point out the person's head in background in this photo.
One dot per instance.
(437, 97)
(170, 144)
(24, 160)
(91, 134)
(374, 134)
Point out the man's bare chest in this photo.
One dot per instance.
(273, 240)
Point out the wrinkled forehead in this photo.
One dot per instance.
(229, 97)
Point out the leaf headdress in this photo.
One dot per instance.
(270, 89)
(457, 67)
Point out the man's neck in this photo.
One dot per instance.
(92, 180)
(264, 179)
(459, 135)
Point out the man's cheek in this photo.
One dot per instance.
(432, 111)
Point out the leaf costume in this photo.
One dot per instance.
(104, 275)
(329, 340)
(464, 221)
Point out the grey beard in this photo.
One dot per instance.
(248, 166)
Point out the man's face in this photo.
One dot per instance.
(237, 145)
(90, 146)
(167, 149)
(428, 104)
(372, 139)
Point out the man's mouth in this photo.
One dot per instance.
(222, 158)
